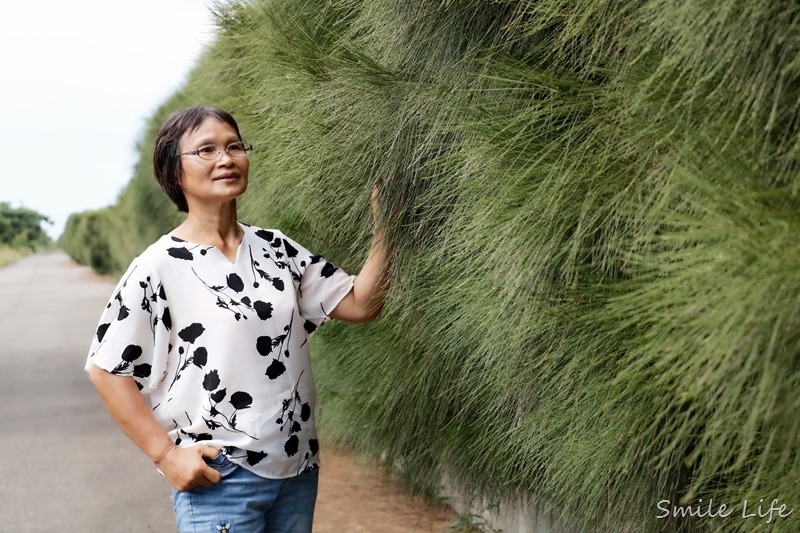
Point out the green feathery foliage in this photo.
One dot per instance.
(88, 238)
(595, 210)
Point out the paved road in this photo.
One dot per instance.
(64, 466)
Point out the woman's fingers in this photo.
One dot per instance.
(209, 473)
(186, 469)
(374, 199)
(208, 452)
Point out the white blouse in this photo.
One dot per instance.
(221, 348)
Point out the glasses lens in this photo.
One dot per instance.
(208, 152)
(237, 150)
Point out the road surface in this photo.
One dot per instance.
(65, 466)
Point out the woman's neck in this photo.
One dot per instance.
(217, 228)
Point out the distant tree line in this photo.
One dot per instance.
(21, 227)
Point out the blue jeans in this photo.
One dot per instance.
(246, 503)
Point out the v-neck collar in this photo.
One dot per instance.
(236, 257)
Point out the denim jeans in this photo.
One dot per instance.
(246, 503)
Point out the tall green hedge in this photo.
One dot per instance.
(89, 237)
(595, 206)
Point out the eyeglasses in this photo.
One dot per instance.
(210, 152)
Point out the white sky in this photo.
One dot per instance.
(78, 81)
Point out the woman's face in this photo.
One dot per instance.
(211, 184)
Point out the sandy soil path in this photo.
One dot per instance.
(65, 466)
(356, 498)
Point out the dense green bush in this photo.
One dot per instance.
(88, 238)
(22, 228)
(597, 226)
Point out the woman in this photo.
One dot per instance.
(212, 323)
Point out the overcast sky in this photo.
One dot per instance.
(78, 81)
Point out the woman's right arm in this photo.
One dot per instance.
(184, 468)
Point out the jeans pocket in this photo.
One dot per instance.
(220, 463)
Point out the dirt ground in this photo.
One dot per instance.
(355, 497)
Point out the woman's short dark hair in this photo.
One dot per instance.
(166, 158)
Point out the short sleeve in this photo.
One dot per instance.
(132, 337)
(322, 284)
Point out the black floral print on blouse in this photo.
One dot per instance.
(225, 359)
